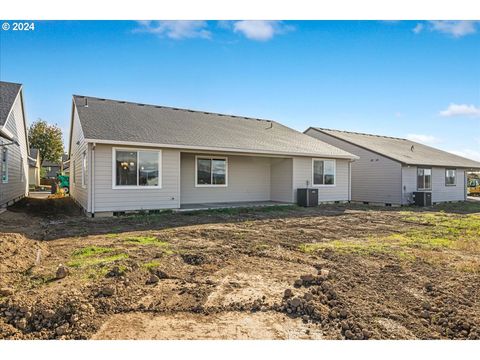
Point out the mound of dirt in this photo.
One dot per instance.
(17, 255)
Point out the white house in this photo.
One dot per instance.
(14, 150)
(127, 156)
(390, 170)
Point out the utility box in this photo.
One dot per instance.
(422, 198)
(307, 197)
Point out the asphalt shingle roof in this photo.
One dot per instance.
(402, 150)
(8, 94)
(33, 153)
(120, 121)
(47, 163)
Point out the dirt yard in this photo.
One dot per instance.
(332, 272)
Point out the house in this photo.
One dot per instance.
(53, 168)
(391, 169)
(66, 166)
(14, 150)
(127, 157)
(34, 168)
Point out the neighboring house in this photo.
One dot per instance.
(53, 168)
(126, 156)
(66, 166)
(391, 169)
(13, 144)
(34, 168)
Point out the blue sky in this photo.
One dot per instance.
(408, 79)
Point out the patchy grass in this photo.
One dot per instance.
(468, 207)
(151, 264)
(91, 251)
(432, 237)
(146, 240)
(85, 262)
(94, 255)
(367, 247)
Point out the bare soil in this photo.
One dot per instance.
(331, 272)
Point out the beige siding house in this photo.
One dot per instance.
(14, 150)
(129, 157)
(34, 168)
(390, 170)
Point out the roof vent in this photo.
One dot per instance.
(141, 104)
(86, 102)
(412, 148)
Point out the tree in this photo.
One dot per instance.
(47, 139)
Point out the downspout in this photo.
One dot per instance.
(350, 180)
(92, 177)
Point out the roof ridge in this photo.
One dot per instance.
(10, 82)
(360, 133)
(175, 108)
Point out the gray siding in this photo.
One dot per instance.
(375, 178)
(79, 147)
(281, 175)
(17, 185)
(409, 183)
(248, 180)
(303, 173)
(440, 192)
(108, 199)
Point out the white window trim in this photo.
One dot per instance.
(7, 155)
(211, 157)
(431, 178)
(84, 170)
(455, 177)
(135, 187)
(334, 173)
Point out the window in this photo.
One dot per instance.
(323, 172)
(450, 177)
(137, 168)
(424, 179)
(84, 169)
(4, 168)
(211, 171)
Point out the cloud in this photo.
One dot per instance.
(260, 30)
(461, 110)
(424, 139)
(176, 29)
(467, 153)
(455, 28)
(418, 28)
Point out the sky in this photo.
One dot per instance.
(413, 79)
